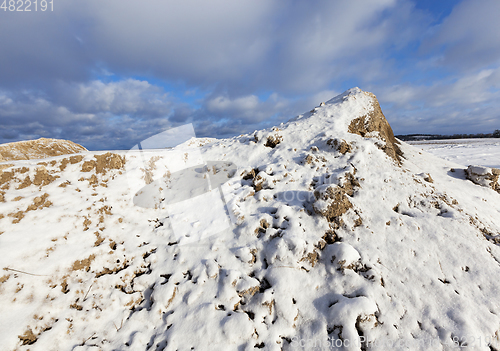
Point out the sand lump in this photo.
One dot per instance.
(484, 176)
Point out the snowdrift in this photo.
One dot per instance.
(322, 233)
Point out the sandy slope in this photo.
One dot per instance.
(317, 237)
(37, 149)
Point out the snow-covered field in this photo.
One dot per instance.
(316, 234)
(484, 152)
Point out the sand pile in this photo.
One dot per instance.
(37, 149)
(316, 234)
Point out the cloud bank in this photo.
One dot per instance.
(110, 73)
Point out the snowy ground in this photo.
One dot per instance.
(303, 236)
(483, 152)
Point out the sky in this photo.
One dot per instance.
(108, 74)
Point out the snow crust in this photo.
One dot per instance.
(464, 151)
(246, 260)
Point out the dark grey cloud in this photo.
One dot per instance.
(117, 115)
(287, 46)
(41, 47)
(97, 114)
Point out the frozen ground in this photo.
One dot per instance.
(483, 152)
(309, 235)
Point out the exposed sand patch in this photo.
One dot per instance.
(38, 203)
(338, 202)
(71, 160)
(83, 264)
(99, 239)
(5, 178)
(341, 146)
(7, 165)
(28, 337)
(43, 177)
(103, 163)
(148, 171)
(273, 141)
(333, 200)
(311, 257)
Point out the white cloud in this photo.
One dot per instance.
(467, 103)
(468, 37)
(465, 90)
(239, 105)
(122, 97)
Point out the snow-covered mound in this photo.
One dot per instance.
(322, 233)
(37, 149)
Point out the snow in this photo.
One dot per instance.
(235, 261)
(465, 152)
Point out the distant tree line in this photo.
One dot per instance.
(409, 137)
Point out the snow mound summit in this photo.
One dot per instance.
(360, 112)
(324, 232)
